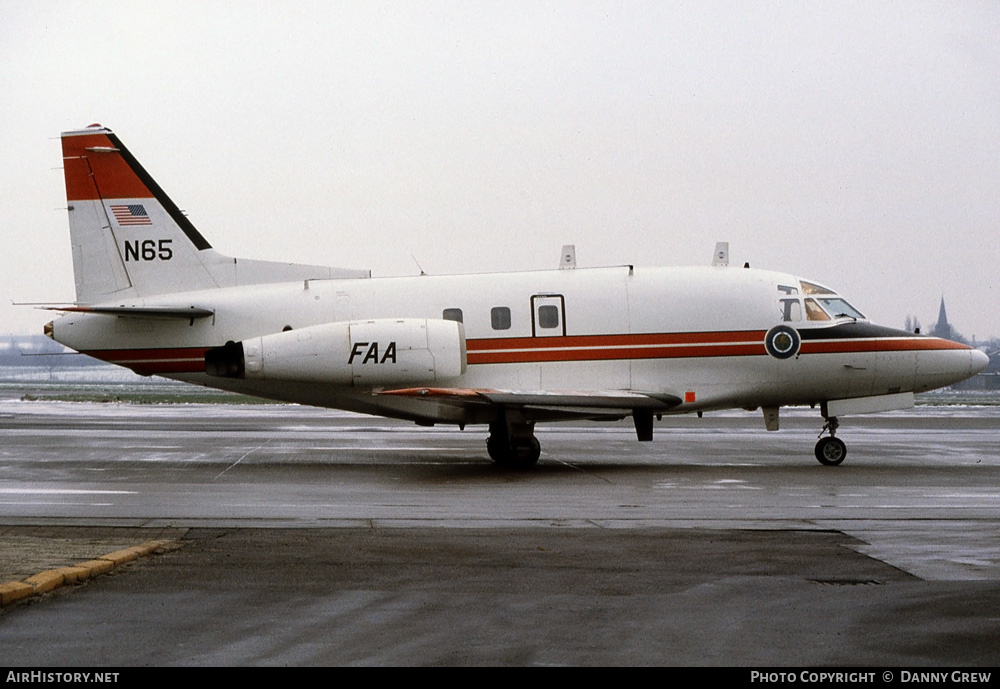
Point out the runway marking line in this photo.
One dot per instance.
(51, 579)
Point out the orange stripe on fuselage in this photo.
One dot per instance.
(613, 354)
(674, 346)
(115, 179)
(516, 350)
(625, 340)
(512, 350)
(153, 361)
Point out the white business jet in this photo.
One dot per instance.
(504, 349)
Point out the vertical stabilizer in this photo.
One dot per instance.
(129, 239)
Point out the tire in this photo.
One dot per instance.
(498, 449)
(519, 455)
(525, 455)
(831, 451)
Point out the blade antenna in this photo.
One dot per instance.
(418, 264)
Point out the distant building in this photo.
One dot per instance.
(38, 350)
(943, 328)
(988, 379)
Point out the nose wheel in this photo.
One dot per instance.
(830, 451)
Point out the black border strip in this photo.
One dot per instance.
(182, 221)
(852, 331)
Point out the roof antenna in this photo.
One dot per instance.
(567, 259)
(418, 264)
(721, 256)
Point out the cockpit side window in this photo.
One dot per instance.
(814, 312)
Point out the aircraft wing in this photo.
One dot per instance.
(618, 403)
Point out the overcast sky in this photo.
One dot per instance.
(854, 143)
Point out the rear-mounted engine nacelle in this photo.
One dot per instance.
(361, 353)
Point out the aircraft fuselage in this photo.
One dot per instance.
(698, 333)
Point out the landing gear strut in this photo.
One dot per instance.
(831, 450)
(513, 444)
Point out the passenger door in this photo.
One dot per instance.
(548, 315)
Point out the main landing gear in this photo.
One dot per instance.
(513, 445)
(830, 450)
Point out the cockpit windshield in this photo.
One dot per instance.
(839, 308)
(817, 302)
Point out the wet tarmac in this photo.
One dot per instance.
(314, 537)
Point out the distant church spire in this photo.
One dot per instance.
(942, 328)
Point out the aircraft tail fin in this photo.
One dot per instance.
(130, 241)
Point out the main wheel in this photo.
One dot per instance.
(525, 452)
(830, 451)
(498, 448)
(519, 454)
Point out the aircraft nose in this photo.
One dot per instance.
(979, 361)
(938, 368)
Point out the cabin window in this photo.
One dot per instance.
(452, 315)
(500, 318)
(548, 316)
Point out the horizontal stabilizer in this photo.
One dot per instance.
(185, 312)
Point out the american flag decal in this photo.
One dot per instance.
(131, 214)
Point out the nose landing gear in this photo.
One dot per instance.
(831, 450)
